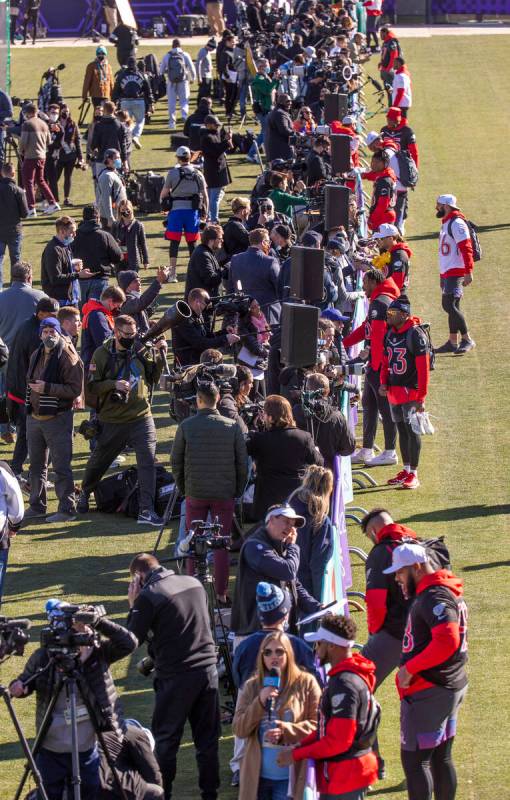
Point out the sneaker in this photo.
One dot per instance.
(136, 142)
(148, 517)
(68, 203)
(465, 346)
(51, 208)
(385, 459)
(411, 482)
(399, 478)
(82, 506)
(32, 213)
(117, 462)
(34, 513)
(361, 455)
(235, 778)
(62, 516)
(447, 347)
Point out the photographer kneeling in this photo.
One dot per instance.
(121, 376)
(43, 673)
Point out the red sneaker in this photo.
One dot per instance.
(398, 479)
(411, 482)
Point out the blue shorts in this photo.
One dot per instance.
(183, 219)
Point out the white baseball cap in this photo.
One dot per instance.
(405, 555)
(385, 230)
(372, 136)
(348, 120)
(183, 152)
(286, 511)
(323, 635)
(310, 51)
(448, 200)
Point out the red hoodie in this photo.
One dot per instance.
(95, 305)
(406, 373)
(398, 268)
(434, 648)
(341, 704)
(382, 595)
(390, 51)
(375, 326)
(383, 197)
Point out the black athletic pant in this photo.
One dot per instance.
(373, 405)
(456, 319)
(53, 174)
(230, 97)
(430, 771)
(191, 696)
(410, 444)
(31, 16)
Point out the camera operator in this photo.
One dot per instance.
(134, 91)
(279, 130)
(318, 166)
(138, 304)
(191, 337)
(12, 510)
(120, 378)
(326, 423)
(234, 395)
(265, 216)
(284, 201)
(42, 675)
(173, 608)
(270, 554)
(204, 272)
(258, 273)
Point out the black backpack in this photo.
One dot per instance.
(473, 235)
(119, 494)
(436, 548)
(425, 328)
(408, 170)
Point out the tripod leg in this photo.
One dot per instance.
(31, 765)
(75, 756)
(167, 516)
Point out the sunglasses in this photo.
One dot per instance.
(278, 652)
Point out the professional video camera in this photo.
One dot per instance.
(310, 401)
(251, 414)
(13, 637)
(50, 90)
(59, 637)
(203, 537)
(235, 303)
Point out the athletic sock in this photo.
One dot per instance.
(407, 467)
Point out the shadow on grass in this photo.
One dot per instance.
(480, 228)
(488, 565)
(460, 512)
(400, 787)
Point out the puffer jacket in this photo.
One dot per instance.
(98, 686)
(209, 459)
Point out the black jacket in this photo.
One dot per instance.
(264, 559)
(109, 133)
(279, 130)
(57, 276)
(136, 305)
(97, 248)
(214, 147)
(132, 239)
(235, 237)
(317, 168)
(227, 407)
(27, 340)
(135, 764)
(204, 272)
(13, 203)
(97, 681)
(4, 353)
(131, 84)
(197, 118)
(280, 455)
(191, 338)
(174, 608)
(332, 433)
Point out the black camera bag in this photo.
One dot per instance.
(119, 493)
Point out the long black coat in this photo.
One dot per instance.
(204, 272)
(278, 130)
(280, 456)
(216, 172)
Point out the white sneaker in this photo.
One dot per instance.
(52, 208)
(136, 142)
(32, 213)
(117, 462)
(361, 455)
(387, 458)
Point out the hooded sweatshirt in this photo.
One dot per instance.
(386, 607)
(455, 246)
(342, 717)
(383, 197)
(434, 648)
(389, 52)
(374, 328)
(405, 367)
(398, 267)
(404, 135)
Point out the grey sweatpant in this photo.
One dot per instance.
(54, 438)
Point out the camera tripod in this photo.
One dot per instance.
(70, 680)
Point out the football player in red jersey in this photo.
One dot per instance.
(405, 371)
(432, 680)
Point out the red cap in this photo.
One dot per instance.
(394, 113)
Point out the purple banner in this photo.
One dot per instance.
(440, 7)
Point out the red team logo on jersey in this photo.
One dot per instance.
(408, 640)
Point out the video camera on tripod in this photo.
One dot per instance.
(60, 638)
(203, 537)
(13, 637)
(50, 90)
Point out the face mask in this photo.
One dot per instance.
(100, 58)
(68, 240)
(267, 70)
(440, 213)
(53, 117)
(117, 163)
(64, 114)
(50, 341)
(127, 342)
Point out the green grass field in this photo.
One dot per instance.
(461, 118)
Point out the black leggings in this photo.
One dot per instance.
(430, 771)
(410, 444)
(174, 248)
(33, 17)
(230, 97)
(456, 319)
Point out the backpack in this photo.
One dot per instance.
(473, 234)
(424, 327)
(408, 171)
(436, 548)
(119, 493)
(366, 735)
(176, 68)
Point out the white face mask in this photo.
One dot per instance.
(53, 117)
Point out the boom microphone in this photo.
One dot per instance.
(173, 316)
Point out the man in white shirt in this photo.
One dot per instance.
(12, 510)
(205, 69)
(401, 90)
(179, 71)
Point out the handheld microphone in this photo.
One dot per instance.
(273, 680)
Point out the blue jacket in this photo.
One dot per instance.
(258, 274)
(245, 657)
